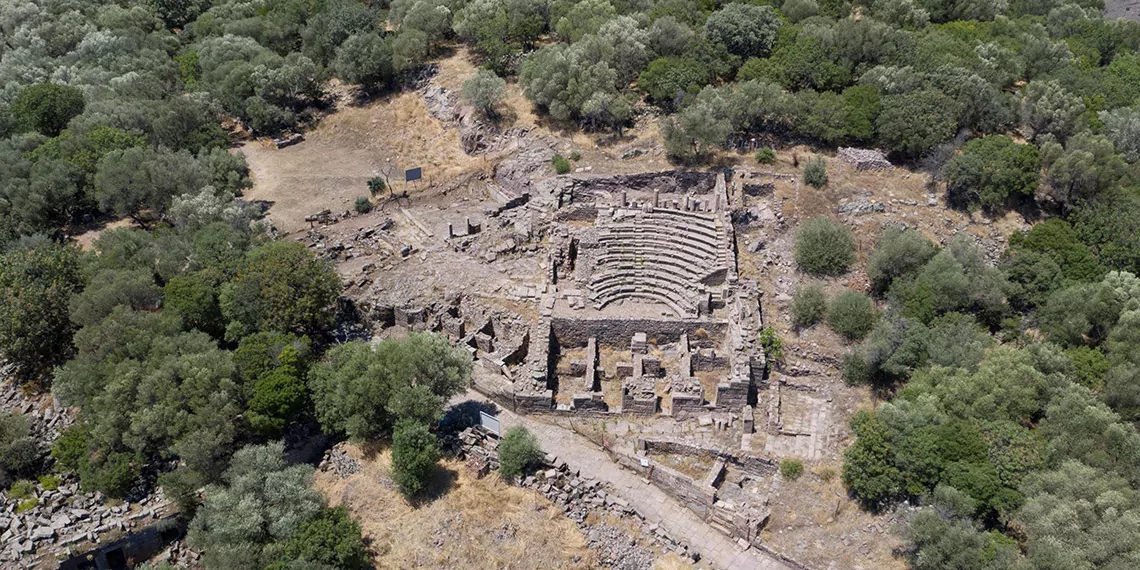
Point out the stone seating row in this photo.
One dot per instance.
(623, 261)
(684, 287)
(697, 264)
(636, 292)
(707, 234)
(663, 242)
(614, 286)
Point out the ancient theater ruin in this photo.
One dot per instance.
(644, 312)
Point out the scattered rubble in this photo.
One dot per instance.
(337, 461)
(288, 140)
(46, 416)
(475, 134)
(860, 206)
(864, 159)
(64, 521)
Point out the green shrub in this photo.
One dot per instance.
(824, 247)
(22, 489)
(49, 482)
(414, 455)
(363, 205)
(575, 156)
(851, 314)
(26, 505)
(772, 343)
(518, 449)
(809, 304)
(791, 468)
(900, 252)
(561, 165)
(766, 156)
(376, 185)
(815, 172)
(857, 368)
(330, 540)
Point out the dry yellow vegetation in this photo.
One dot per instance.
(472, 523)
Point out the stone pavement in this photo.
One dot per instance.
(717, 549)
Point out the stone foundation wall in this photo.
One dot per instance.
(709, 362)
(690, 403)
(696, 497)
(668, 182)
(759, 466)
(534, 403)
(617, 333)
(638, 406)
(589, 402)
(577, 213)
(731, 395)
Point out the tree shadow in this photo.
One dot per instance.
(260, 207)
(373, 447)
(437, 485)
(464, 415)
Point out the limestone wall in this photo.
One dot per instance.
(731, 395)
(690, 403)
(759, 466)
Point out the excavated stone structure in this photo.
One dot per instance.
(641, 312)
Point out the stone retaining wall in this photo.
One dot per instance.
(617, 333)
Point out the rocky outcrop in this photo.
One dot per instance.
(63, 520)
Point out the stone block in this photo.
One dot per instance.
(639, 343)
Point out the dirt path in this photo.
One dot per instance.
(716, 549)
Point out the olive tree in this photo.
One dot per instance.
(36, 288)
(914, 123)
(484, 91)
(745, 29)
(1123, 128)
(280, 286)
(361, 390)
(47, 107)
(1049, 108)
(824, 247)
(364, 58)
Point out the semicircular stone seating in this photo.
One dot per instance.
(659, 255)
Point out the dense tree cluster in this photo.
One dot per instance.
(264, 514)
(916, 78)
(1016, 424)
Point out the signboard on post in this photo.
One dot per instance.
(489, 423)
(413, 174)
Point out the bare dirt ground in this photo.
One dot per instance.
(482, 523)
(331, 168)
(814, 522)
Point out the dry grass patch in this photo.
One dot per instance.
(471, 524)
(332, 166)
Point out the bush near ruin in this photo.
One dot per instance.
(851, 314)
(809, 305)
(518, 450)
(824, 248)
(415, 453)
